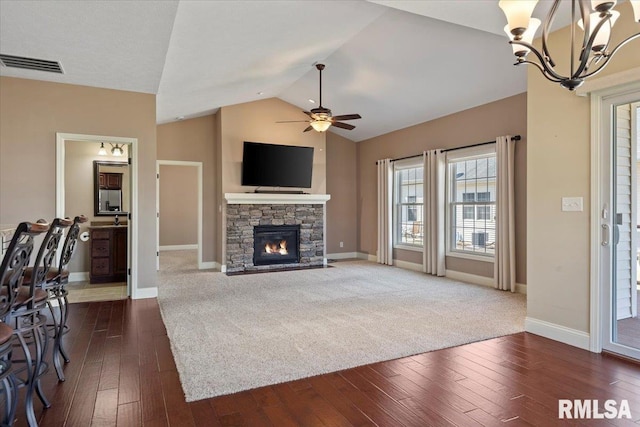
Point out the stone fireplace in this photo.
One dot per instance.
(274, 231)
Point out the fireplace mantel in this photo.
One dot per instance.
(275, 199)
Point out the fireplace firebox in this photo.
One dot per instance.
(276, 244)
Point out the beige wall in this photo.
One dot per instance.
(480, 124)
(79, 189)
(178, 205)
(31, 112)
(256, 122)
(218, 188)
(342, 220)
(558, 163)
(195, 140)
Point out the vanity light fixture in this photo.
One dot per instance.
(102, 151)
(117, 150)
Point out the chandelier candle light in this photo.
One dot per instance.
(597, 20)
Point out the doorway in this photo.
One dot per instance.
(70, 187)
(619, 219)
(179, 206)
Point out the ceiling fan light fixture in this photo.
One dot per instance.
(320, 125)
(102, 151)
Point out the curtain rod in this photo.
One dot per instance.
(513, 138)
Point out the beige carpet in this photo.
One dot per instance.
(235, 333)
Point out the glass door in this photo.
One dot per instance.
(620, 222)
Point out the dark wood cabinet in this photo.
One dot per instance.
(110, 181)
(108, 254)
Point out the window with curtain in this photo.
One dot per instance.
(408, 200)
(471, 200)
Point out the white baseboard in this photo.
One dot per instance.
(555, 332)
(343, 255)
(521, 288)
(178, 247)
(144, 293)
(81, 276)
(208, 265)
(470, 278)
(368, 257)
(407, 265)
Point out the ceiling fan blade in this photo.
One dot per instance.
(308, 113)
(308, 129)
(293, 121)
(347, 117)
(346, 126)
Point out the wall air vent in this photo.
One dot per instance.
(30, 63)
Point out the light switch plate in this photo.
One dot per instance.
(572, 204)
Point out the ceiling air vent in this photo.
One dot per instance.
(30, 63)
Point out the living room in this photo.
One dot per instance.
(553, 160)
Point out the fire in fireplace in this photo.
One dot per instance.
(276, 244)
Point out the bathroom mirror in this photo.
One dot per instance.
(111, 188)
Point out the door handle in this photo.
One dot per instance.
(605, 234)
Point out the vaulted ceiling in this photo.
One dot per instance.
(397, 63)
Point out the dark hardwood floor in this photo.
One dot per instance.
(122, 373)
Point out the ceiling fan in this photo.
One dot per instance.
(321, 118)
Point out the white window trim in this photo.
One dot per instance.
(413, 162)
(465, 255)
(407, 247)
(468, 154)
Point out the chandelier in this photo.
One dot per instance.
(597, 20)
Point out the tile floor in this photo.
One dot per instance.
(86, 292)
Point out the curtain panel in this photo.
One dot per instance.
(385, 207)
(433, 253)
(505, 256)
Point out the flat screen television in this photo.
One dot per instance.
(271, 165)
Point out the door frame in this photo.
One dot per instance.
(132, 229)
(201, 264)
(600, 135)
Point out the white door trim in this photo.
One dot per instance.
(61, 138)
(599, 136)
(198, 165)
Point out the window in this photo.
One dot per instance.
(485, 196)
(484, 213)
(472, 204)
(468, 212)
(407, 215)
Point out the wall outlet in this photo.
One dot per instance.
(342, 244)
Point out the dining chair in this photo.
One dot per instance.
(47, 276)
(21, 312)
(55, 285)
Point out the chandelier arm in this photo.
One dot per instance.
(610, 55)
(594, 61)
(584, 54)
(588, 44)
(546, 69)
(545, 31)
(542, 70)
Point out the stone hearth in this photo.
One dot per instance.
(246, 210)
